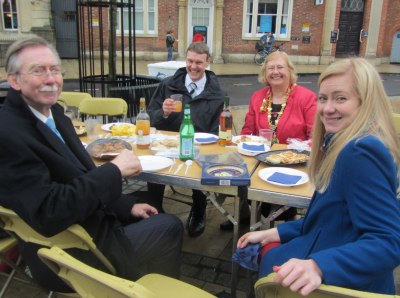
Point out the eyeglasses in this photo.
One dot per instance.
(43, 72)
(277, 67)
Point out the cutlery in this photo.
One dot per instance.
(172, 165)
(178, 168)
(188, 163)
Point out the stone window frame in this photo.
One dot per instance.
(14, 13)
(282, 18)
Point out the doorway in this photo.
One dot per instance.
(395, 53)
(64, 15)
(200, 20)
(350, 28)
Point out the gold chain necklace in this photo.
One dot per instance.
(266, 106)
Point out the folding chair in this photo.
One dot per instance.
(103, 106)
(71, 101)
(90, 282)
(265, 287)
(396, 121)
(73, 237)
(5, 245)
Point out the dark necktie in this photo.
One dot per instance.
(193, 86)
(50, 123)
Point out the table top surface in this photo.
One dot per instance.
(194, 172)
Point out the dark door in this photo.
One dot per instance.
(350, 25)
(64, 16)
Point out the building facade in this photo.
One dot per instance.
(311, 31)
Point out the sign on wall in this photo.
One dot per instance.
(265, 23)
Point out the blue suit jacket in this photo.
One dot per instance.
(352, 231)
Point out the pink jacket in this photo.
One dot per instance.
(296, 121)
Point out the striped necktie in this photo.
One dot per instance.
(50, 123)
(193, 86)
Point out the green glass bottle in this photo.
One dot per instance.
(186, 136)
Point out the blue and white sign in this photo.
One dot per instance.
(265, 23)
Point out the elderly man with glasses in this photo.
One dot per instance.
(49, 179)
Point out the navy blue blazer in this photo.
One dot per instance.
(352, 230)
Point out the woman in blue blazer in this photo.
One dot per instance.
(350, 236)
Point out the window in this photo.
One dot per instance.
(267, 16)
(145, 17)
(9, 14)
(200, 16)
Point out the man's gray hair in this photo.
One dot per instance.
(13, 64)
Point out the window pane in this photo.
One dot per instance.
(151, 21)
(151, 5)
(139, 5)
(200, 16)
(139, 21)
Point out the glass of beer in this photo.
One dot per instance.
(178, 102)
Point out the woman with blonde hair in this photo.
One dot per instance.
(350, 236)
(282, 105)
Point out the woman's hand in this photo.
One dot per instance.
(262, 237)
(302, 276)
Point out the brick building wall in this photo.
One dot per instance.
(391, 15)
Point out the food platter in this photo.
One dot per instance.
(246, 138)
(283, 176)
(106, 149)
(109, 126)
(287, 157)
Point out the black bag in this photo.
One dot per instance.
(259, 46)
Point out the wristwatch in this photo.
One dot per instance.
(165, 116)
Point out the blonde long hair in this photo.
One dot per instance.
(374, 118)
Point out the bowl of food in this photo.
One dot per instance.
(106, 149)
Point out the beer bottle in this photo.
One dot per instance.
(143, 126)
(186, 136)
(225, 125)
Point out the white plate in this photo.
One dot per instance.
(247, 138)
(152, 163)
(264, 174)
(250, 152)
(205, 135)
(107, 127)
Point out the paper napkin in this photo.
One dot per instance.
(205, 140)
(284, 178)
(252, 147)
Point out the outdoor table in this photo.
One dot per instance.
(260, 191)
(192, 180)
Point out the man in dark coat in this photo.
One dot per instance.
(200, 89)
(50, 181)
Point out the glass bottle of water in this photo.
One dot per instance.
(186, 136)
